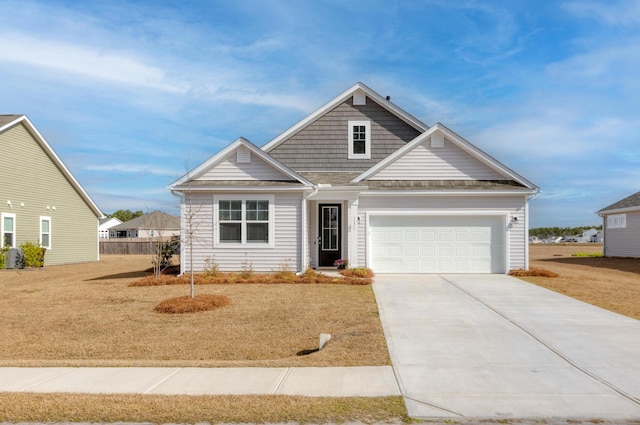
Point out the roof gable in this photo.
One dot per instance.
(631, 202)
(9, 121)
(470, 162)
(240, 161)
(324, 145)
(356, 90)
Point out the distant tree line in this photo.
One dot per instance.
(550, 232)
(125, 215)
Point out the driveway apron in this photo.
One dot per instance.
(497, 347)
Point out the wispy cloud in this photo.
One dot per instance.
(613, 12)
(135, 169)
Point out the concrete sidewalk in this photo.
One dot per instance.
(367, 381)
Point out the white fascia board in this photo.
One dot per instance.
(224, 153)
(57, 161)
(475, 192)
(619, 210)
(400, 113)
(187, 188)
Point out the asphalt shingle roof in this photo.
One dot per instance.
(153, 220)
(628, 202)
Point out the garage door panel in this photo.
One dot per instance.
(437, 244)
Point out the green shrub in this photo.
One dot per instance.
(3, 256)
(32, 254)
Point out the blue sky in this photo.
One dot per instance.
(132, 94)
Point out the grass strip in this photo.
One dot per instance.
(110, 408)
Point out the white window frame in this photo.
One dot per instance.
(367, 147)
(2, 217)
(243, 232)
(45, 218)
(617, 221)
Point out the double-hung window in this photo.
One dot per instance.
(45, 232)
(244, 220)
(359, 139)
(8, 230)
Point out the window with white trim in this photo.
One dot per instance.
(617, 221)
(359, 139)
(244, 220)
(8, 230)
(45, 232)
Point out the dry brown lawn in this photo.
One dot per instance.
(119, 408)
(88, 315)
(610, 283)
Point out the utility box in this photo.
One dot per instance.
(12, 258)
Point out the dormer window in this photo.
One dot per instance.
(359, 139)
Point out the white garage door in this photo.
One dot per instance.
(437, 244)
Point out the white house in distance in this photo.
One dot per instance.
(105, 225)
(621, 227)
(360, 180)
(152, 225)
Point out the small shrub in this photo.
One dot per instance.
(211, 268)
(533, 272)
(246, 269)
(358, 272)
(3, 256)
(284, 272)
(32, 254)
(189, 304)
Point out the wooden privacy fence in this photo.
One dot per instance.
(130, 246)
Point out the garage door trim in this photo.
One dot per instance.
(503, 215)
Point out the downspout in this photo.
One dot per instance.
(304, 238)
(526, 226)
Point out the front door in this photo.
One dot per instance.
(330, 232)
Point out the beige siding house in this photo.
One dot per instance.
(359, 180)
(621, 227)
(40, 200)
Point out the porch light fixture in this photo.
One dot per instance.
(9, 203)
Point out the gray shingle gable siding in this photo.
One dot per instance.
(323, 145)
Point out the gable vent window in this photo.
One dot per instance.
(243, 156)
(437, 140)
(359, 139)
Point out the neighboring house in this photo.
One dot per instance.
(621, 227)
(362, 180)
(105, 225)
(589, 235)
(153, 225)
(40, 200)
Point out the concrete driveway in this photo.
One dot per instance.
(498, 347)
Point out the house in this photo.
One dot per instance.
(590, 235)
(40, 200)
(621, 227)
(361, 180)
(152, 225)
(106, 224)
